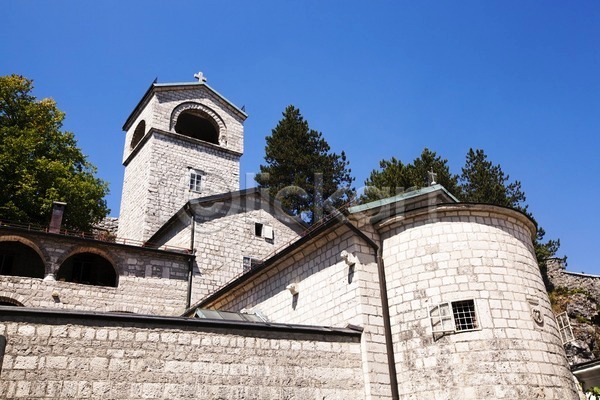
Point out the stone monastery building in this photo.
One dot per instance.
(211, 292)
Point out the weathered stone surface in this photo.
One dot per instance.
(116, 360)
(149, 281)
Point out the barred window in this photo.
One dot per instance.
(465, 317)
(451, 317)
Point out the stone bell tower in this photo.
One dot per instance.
(183, 141)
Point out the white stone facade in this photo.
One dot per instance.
(478, 253)
(159, 163)
(432, 255)
(225, 233)
(86, 357)
(352, 305)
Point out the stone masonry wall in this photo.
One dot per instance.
(157, 171)
(169, 177)
(145, 115)
(225, 234)
(158, 112)
(91, 357)
(149, 281)
(483, 253)
(169, 98)
(156, 183)
(327, 291)
(221, 244)
(135, 195)
(560, 277)
(331, 293)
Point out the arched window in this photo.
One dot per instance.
(7, 301)
(88, 269)
(18, 259)
(196, 124)
(138, 134)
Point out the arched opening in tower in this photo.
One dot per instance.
(88, 269)
(194, 124)
(138, 134)
(18, 259)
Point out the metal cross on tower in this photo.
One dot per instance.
(200, 76)
(432, 177)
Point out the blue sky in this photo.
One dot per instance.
(519, 79)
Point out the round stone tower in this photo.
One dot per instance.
(470, 315)
(183, 140)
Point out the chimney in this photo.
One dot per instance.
(58, 209)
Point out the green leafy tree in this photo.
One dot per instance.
(301, 171)
(393, 177)
(40, 164)
(484, 182)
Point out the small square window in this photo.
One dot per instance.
(453, 317)
(465, 318)
(249, 263)
(264, 231)
(195, 181)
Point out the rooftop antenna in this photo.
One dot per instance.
(432, 177)
(155, 80)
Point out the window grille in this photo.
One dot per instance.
(564, 328)
(451, 317)
(465, 317)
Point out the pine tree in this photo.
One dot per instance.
(40, 164)
(484, 182)
(394, 177)
(481, 181)
(301, 171)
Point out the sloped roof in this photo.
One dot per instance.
(405, 197)
(188, 207)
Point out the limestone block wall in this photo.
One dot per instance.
(484, 254)
(135, 195)
(100, 357)
(330, 293)
(560, 277)
(147, 116)
(224, 235)
(157, 180)
(327, 289)
(222, 243)
(158, 112)
(149, 281)
(169, 98)
(169, 174)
